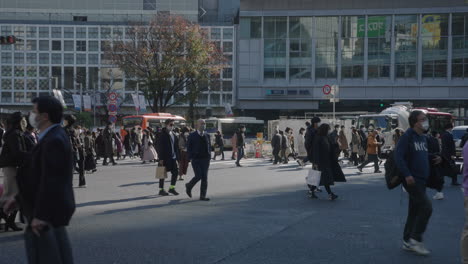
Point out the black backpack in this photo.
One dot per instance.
(393, 176)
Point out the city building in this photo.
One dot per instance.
(61, 45)
(377, 52)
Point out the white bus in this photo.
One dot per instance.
(229, 126)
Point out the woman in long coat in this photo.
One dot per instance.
(327, 162)
(149, 153)
(355, 147)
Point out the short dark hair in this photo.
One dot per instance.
(168, 121)
(185, 129)
(323, 129)
(315, 120)
(288, 129)
(342, 126)
(307, 123)
(337, 126)
(51, 106)
(361, 126)
(448, 126)
(71, 119)
(242, 126)
(14, 120)
(413, 117)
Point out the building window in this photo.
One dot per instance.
(93, 45)
(460, 45)
(57, 45)
(31, 32)
(31, 45)
(43, 45)
(19, 71)
(6, 71)
(300, 47)
(6, 57)
(80, 58)
(44, 84)
(227, 33)
(216, 33)
(69, 58)
(6, 97)
(31, 58)
(149, 4)
(379, 32)
(105, 32)
(19, 84)
(7, 84)
(275, 30)
(93, 58)
(43, 71)
(68, 45)
(56, 58)
(81, 32)
(93, 33)
(406, 43)
(80, 18)
(434, 37)
(44, 58)
(31, 84)
(19, 58)
(326, 52)
(227, 46)
(43, 32)
(227, 86)
(352, 47)
(68, 32)
(251, 27)
(56, 32)
(81, 45)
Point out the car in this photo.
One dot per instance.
(458, 133)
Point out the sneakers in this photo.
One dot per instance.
(438, 196)
(333, 197)
(416, 247)
(173, 191)
(163, 193)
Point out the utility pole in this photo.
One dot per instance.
(138, 98)
(81, 97)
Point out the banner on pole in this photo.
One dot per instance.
(87, 103)
(136, 102)
(77, 101)
(228, 109)
(58, 94)
(142, 103)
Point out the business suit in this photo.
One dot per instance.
(46, 193)
(167, 148)
(199, 152)
(276, 145)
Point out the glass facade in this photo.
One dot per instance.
(72, 56)
(414, 46)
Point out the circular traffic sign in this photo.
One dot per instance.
(112, 108)
(112, 96)
(112, 119)
(326, 89)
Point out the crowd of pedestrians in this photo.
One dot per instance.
(40, 186)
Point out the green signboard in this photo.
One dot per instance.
(376, 26)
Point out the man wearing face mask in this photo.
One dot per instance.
(46, 194)
(414, 160)
(199, 152)
(240, 144)
(448, 152)
(168, 152)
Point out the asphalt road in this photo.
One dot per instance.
(258, 214)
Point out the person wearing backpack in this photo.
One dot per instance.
(413, 161)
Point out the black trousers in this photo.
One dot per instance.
(200, 168)
(276, 152)
(110, 157)
(419, 212)
(52, 246)
(371, 158)
(81, 170)
(354, 158)
(174, 173)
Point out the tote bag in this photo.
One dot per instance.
(313, 177)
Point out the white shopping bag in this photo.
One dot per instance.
(313, 177)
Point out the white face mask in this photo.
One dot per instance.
(186, 134)
(425, 125)
(33, 121)
(363, 129)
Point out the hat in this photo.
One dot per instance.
(315, 120)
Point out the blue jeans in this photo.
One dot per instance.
(240, 154)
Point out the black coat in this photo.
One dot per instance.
(14, 149)
(107, 137)
(448, 145)
(435, 180)
(46, 181)
(219, 140)
(327, 161)
(240, 139)
(284, 144)
(309, 142)
(276, 142)
(165, 150)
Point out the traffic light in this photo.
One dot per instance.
(7, 40)
(381, 105)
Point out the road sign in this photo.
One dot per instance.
(113, 96)
(335, 90)
(112, 119)
(326, 89)
(112, 108)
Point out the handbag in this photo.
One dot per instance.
(161, 172)
(313, 177)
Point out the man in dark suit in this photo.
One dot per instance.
(276, 145)
(448, 151)
(199, 152)
(240, 144)
(45, 186)
(168, 152)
